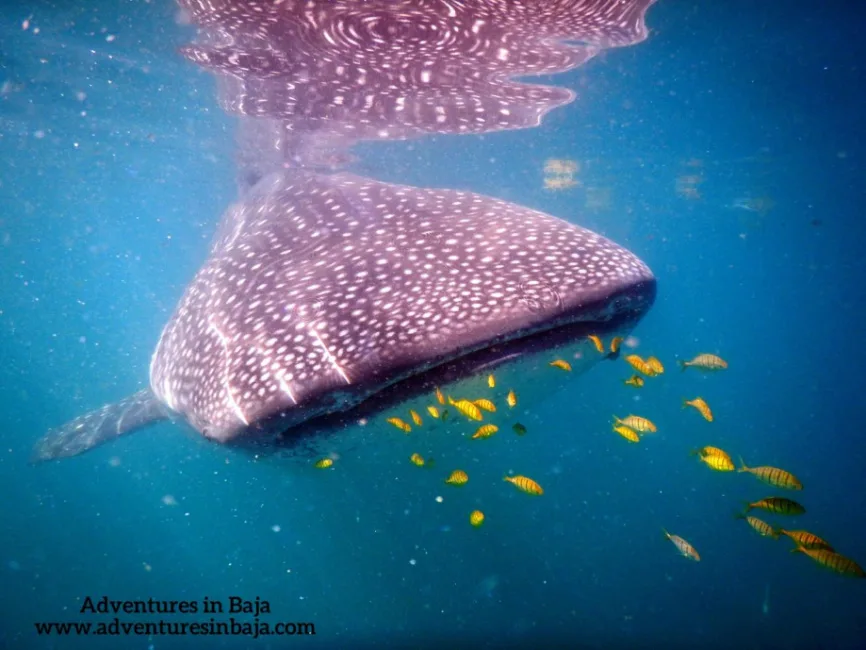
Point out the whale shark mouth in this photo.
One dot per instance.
(530, 351)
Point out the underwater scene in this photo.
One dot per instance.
(432, 324)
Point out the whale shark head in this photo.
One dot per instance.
(322, 290)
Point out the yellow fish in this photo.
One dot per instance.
(476, 518)
(519, 429)
(597, 343)
(701, 406)
(323, 463)
(433, 411)
(715, 459)
(439, 396)
(485, 404)
(615, 343)
(833, 561)
(778, 505)
(458, 477)
(511, 399)
(628, 434)
(415, 418)
(485, 431)
(467, 408)
(685, 549)
(397, 422)
(805, 538)
(705, 362)
(761, 527)
(417, 459)
(491, 381)
(635, 380)
(773, 475)
(640, 365)
(655, 366)
(562, 365)
(525, 484)
(637, 423)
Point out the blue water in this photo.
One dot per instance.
(115, 164)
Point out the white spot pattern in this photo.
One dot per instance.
(318, 283)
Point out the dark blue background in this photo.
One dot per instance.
(106, 216)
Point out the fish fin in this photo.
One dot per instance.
(429, 464)
(743, 467)
(776, 533)
(797, 549)
(102, 425)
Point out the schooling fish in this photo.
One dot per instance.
(761, 527)
(700, 406)
(705, 362)
(637, 423)
(715, 459)
(773, 476)
(777, 505)
(805, 538)
(525, 484)
(685, 549)
(833, 561)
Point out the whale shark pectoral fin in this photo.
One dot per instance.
(102, 425)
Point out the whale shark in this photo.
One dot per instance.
(328, 296)
(322, 290)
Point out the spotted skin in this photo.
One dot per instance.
(323, 289)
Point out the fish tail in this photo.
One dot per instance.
(748, 507)
(682, 365)
(739, 515)
(685, 402)
(100, 426)
(666, 533)
(777, 532)
(694, 452)
(797, 549)
(743, 467)
(616, 420)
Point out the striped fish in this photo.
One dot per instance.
(833, 561)
(485, 431)
(525, 484)
(467, 408)
(772, 475)
(761, 527)
(637, 423)
(685, 549)
(705, 362)
(778, 505)
(806, 539)
(485, 404)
